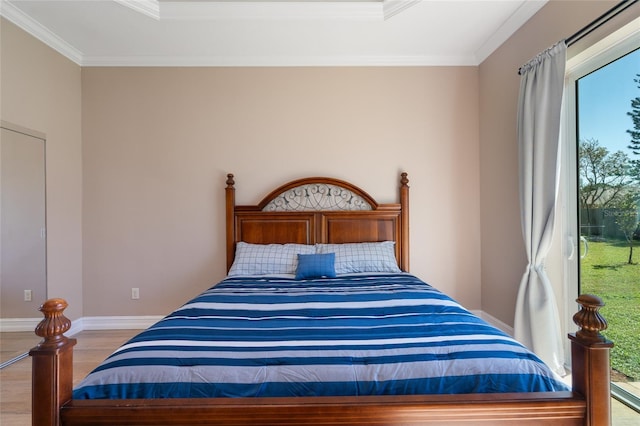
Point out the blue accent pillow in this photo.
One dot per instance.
(316, 266)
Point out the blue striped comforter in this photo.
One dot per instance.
(352, 335)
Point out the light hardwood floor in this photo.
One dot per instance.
(93, 347)
(15, 380)
(14, 344)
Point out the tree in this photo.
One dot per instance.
(635, 132)
(627, 218)
(603, 176)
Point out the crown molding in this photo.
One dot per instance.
(25, 22)
(359, 10)
(510, 26)
(151, 8)
(271, 61)
(237, 10)
(391, 8)
(244, 10)
(248, 9)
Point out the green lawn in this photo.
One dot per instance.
(606, 273)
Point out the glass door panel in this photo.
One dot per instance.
(608, 127)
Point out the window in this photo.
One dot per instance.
(600, 197)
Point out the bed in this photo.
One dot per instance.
(320, 322)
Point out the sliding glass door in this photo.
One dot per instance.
(607, 177)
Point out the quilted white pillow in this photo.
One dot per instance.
(265, 259)
(362, 257)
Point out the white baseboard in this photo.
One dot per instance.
(145, 321)
(18, 324)
(84, 323)
(120, 322)
(494, 322)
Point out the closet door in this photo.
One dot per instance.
(23, 278)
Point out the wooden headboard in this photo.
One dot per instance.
(319, 210)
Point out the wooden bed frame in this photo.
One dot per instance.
(588, 403)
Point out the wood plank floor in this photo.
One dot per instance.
(13, 344)
(15, 380)
(93, 347)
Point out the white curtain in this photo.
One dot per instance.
(537, 322)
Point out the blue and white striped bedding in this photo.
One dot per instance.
(384, 334)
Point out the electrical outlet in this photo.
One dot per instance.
(27, 295)
(135, 293)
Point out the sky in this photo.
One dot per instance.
(604, 98)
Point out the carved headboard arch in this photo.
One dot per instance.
(318, 210)
(327, 190)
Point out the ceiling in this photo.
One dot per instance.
(272, 33)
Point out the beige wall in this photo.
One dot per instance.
(503, 255)
(40, 90)
(158, 142)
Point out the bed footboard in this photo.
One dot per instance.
(589, 404)
(52, 365)
(591, 373)
(475, 409)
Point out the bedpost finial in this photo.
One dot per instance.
(588, 318)
(230, 182)
(404, 181)
(54, 324)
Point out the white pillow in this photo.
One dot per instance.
(362, 257)
(265, 259)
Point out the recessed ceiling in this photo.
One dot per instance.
(272, 33)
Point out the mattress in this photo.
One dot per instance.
(381, 334)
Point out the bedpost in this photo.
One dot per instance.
(404, 220)
(230, 196)
(52, 365)
(591, 375)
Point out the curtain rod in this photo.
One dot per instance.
(595, 24)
